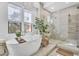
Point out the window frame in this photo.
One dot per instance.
(10, 20)
(27, 11)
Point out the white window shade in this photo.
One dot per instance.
(27, 17)
(14, 13)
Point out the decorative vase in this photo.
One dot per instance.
(45, 41)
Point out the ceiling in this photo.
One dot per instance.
(55, 6)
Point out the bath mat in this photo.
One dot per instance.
(64, 52)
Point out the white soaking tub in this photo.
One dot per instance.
(24, 49)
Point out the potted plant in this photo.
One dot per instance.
(42, 27)
(18, 35)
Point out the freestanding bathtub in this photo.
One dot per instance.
(24, 49)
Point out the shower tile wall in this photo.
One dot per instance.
(77, 27)
(74, 27)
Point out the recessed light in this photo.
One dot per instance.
(52, 8)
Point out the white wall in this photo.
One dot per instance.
(61, 20)
(3, 19)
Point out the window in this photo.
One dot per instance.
(27, 21)
(13, 27)
(14, 18)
